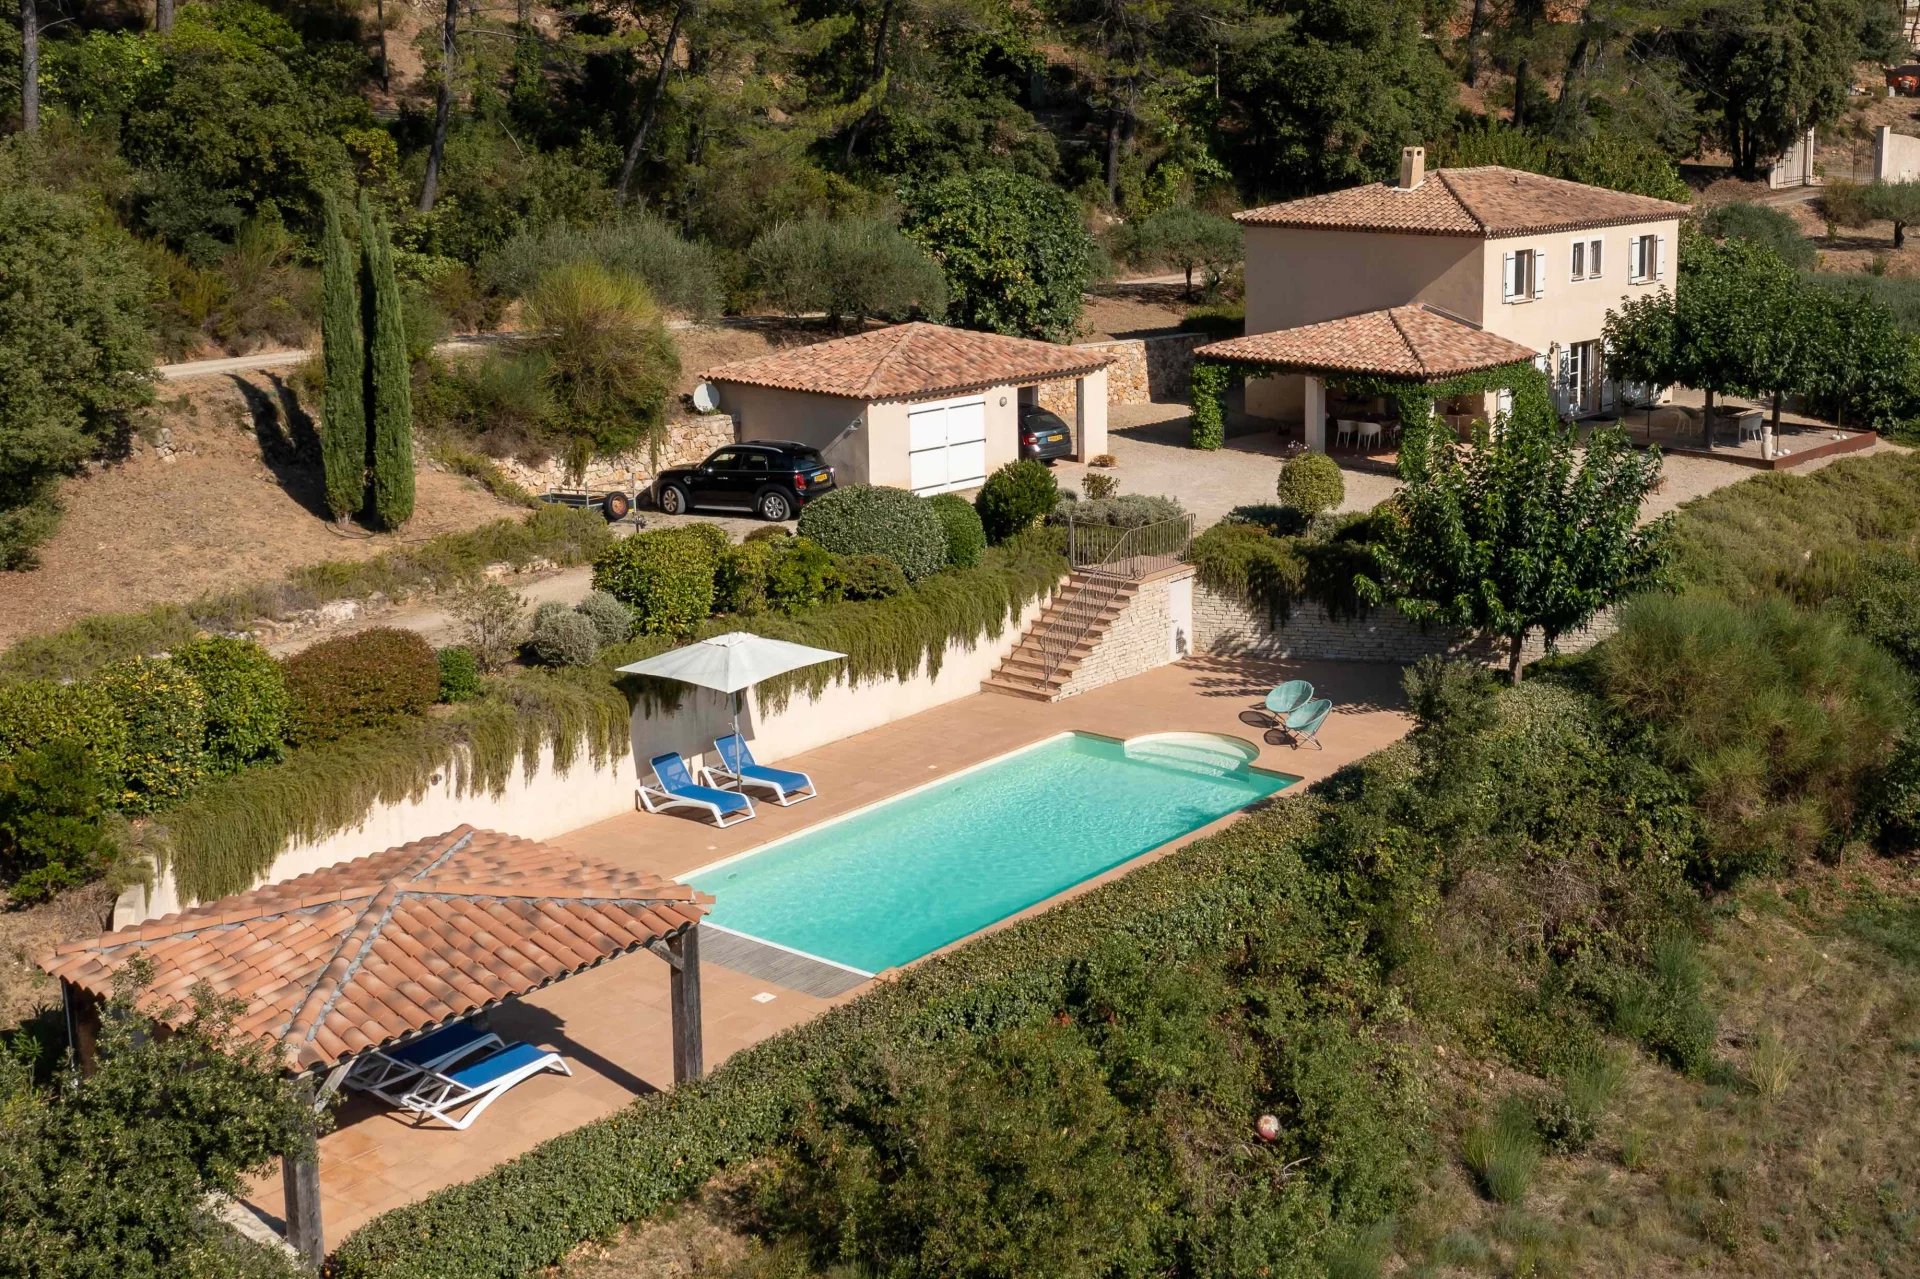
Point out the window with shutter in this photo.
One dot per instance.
(1659, 257)
(1593, 260)
(1537, 277)
(1507, 275)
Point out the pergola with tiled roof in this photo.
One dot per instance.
(367, 953)
(1417, 342)
(910, 362)
(1485, 202)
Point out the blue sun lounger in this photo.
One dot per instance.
(388, 1073)
(737, 771)
(677, 789)
(438, 1095)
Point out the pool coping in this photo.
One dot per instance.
(1289, 782)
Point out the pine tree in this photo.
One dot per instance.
(343, 431)
(389, 392)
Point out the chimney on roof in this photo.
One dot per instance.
(1413, 167)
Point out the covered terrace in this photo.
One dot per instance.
(369, 954)
(1337, 379)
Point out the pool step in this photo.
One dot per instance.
(1078, 616)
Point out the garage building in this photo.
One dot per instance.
(915, 406)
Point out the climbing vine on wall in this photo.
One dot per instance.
(1413, 401)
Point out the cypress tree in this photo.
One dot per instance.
(389, 389)
(343, 428)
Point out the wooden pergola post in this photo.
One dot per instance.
(683, 954)
(300, 1175)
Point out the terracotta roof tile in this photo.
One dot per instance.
(1486, 202)
(383, 947)
(911, 361)
(1403, 341)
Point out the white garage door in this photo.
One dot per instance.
(947, 445)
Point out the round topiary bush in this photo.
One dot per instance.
(562, 637)
(165, 711)
(1014, 497)
(459, 674)
(247, 702)
(1311, 484)
(866, 519)
(360, 681)
(966, 538)
(665, 577)
(870, 577)
(36, 713)
(612, 620)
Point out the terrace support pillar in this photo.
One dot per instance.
(1090, 415)
(300, 1174)
(683, 954)
(1314, 402)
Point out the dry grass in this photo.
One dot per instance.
(1799, 1156)
(28, 933)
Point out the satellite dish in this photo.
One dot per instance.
(705, 398)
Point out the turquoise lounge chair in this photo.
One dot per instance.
(1304, 724)
(677, 789)
(737, 771)
(438, 1095)
(1288, 698)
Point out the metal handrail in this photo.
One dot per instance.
(1109, 558)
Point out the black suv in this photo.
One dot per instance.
(772, 478)
(1043, 436)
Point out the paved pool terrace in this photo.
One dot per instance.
(612, 1023)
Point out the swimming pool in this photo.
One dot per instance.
(895, 881)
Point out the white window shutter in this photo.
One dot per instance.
(1539, 273)
(1660, 258)
(1506, 279)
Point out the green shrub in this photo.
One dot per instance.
(359, 681)
(1014, 497)
(1570, 1119)
(965, 536)
(1131, 510)
(1776, 718)
(562, 637)
(612, 620)
(870, 577)
(55, 831)
(1312, 484)
(1249, 563)
(800, 575)
(165, 711)
(1881, 600)
(1664, 1006)
(665, 577)
(92, 642)
(1762, 224)
(867, 519)
(740, 579)
(35, 714)
(1098, 485)
(459, 674)
(247, 702)
(1504, 1153)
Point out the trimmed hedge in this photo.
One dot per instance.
(966, 537)
(532, 1211)
(36, 713)
(867, 519)
(165, 713)
(359, 681)
(665, 577)
(870, 577)
(248, 707)
(1014, 497)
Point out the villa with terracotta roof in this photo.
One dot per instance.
(1439, 274)
(916, 406)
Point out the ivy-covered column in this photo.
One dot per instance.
(1208, 395)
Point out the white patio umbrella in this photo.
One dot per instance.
(732, 663)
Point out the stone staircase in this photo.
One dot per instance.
(1079, 613)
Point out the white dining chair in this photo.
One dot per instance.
(1369, 436)
(1344, 430)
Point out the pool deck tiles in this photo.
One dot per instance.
(612, 1023)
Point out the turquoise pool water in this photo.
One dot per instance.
(893, 882)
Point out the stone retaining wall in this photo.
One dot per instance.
(1143, 370)
(689, 440)
(1156, 627)
(1223, 624)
